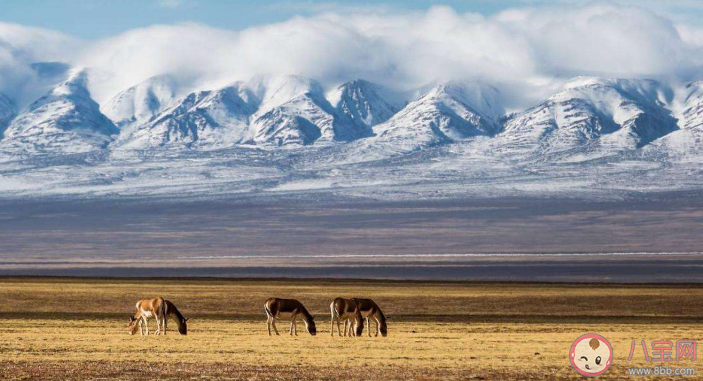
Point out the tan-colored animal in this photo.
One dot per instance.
(288, 309)
(161, 310)
(370, 310)
(348, 311)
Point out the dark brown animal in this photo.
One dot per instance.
(348, 311)
(288, 309)
(370, 310)
(173, 313)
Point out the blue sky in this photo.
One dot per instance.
(400, 44)
(99, 18)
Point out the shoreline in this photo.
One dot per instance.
(581, 268)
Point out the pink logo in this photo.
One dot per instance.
(662, 350)
(591, 355)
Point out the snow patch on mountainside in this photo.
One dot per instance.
(138, 104)
(365, 102)
(449, 112)
(686, 143)
(295, 112)
(206, 118)
(592, 114)
(64, 120)
(7, 113)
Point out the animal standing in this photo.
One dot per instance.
(161, 310)
(288, 309)
(346, 310)
(370, 310)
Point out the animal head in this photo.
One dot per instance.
(310, 323)
(133, 324)
(384, 328)
(183, 327)
(591, 356)
(358, 326)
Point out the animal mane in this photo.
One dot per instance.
(383, 316)
(171, 308)
(305, 312)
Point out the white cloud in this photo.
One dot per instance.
(22, 46)
(512, 49)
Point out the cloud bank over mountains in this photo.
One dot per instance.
(527, 53)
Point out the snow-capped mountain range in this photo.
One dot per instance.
(292, 111)
(281, 126)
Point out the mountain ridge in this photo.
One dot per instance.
(589, 113)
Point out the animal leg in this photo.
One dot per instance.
(378, 326)
(268, 325)
(141, 326)
(273, 324)
(163, 325)
(146, 325)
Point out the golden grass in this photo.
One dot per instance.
(56, 329)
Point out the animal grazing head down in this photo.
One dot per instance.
(310, 323)
(384, 328)
(183, 327)
(133, 324)
(358, 325)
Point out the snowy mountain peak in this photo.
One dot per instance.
(277, 90)
(141, 102)
(66, 119)
(294, 112)
(205, 118)
(482, 99)
(589, 113)
(365, 102)
(448, 112)
(76, 85)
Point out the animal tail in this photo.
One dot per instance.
(266, 309)
(333, 311)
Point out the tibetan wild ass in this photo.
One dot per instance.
(160, 309)
(348, 311)
(288, 309)
(370, 310)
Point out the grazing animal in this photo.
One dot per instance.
(160, 309)
(370, 310)
(348, 311)
(288, 309)
(173, 313)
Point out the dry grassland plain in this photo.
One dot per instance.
(60, 329)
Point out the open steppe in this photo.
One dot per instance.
(71, 328)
